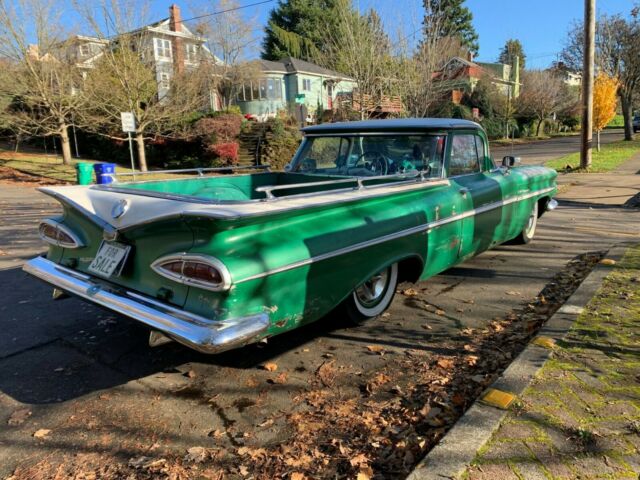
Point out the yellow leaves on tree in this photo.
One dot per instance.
(604, 102)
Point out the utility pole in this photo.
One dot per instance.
(587, 82)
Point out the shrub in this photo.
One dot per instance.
(278, 150)
(220, 128)
(226, 152)
(493, 127)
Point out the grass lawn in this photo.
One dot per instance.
(610, 156)
(47, 166)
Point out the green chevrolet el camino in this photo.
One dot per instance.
(217, 262)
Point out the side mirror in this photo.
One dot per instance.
(287, 167)
(510, 161)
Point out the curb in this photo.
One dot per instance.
(451, 457)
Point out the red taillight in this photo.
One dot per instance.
(197, 270)
(57, 234)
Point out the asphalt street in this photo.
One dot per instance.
(535, 153)
(89, 377)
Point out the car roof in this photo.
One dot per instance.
(394, 125)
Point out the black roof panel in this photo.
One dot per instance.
(394, 125)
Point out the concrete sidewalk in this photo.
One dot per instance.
(619, 187)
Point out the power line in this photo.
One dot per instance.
(220, 12)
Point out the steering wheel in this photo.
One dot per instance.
(378, 163)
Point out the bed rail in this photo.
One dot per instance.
(359, 181)
(199, 171)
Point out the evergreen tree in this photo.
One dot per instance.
(511, 49)
(453, 20)
(298, 28)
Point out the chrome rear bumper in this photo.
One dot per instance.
(192, 330)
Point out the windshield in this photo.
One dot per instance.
(372, 155)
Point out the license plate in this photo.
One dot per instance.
(110, 259)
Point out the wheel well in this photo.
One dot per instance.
(542, 205)
(410, 269)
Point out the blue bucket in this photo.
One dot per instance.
(104, 172)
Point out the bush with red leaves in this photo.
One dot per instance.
(227, 152)
(221, 128)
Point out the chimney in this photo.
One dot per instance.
(175, 25)
(175, 20)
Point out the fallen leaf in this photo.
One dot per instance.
(196, 454)
(410, 292)
(19, 416)
(326, 373)
(513, 293)
(297, 476)
(266, 423)
(216, 433)
(440, 312)
(42, 433)
(426, 326)
(3, 253)
(270, 367)
(375, 348)
(365, 473)
(191, 374)
(360, 459)
(386, 315)
(471, 360)
(446, 363)
(244, 471)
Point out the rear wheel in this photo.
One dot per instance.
(372, 297)
(529, 230)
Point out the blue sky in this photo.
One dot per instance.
(540, 25)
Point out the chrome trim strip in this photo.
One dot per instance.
(425, 227)
(156, 266)
(199, 171)
(194, 331)
(77, 243)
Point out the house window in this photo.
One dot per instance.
(240, 94)
(306, 84)
(164, 80)
(163, 48)
(255, 92)
(192, 52)
(85, 50)
(274, 89)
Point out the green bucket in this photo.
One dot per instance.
(84, 173)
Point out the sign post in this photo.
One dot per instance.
(128, 126)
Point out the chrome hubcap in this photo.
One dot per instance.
(372, 291)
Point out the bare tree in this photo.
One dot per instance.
(359, 48)
(125, 79)
(41, 80)
(617, 54)
(542, 94)
(416, 74)
(229, 35)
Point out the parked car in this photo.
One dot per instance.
(217, 262)
(636, 123)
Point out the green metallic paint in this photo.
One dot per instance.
(249, 247)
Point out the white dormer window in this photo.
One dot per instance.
(163, 48)
(191, 52)
(306, 84)
(85, 50)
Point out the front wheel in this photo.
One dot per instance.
(529, 230)
(372, 297)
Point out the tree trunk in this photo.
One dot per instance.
(142, 157)
(538, 127)
(627, 107)
(66, 145)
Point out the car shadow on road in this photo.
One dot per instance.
(55, 351)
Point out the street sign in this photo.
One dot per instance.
(128, 121)
(300, 98)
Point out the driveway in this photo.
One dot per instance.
(79, 386)
(538, 152)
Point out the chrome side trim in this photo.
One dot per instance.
(425, 227)
(156, 266)
(77, 243)
(194, 331)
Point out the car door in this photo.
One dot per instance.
(481, 188)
